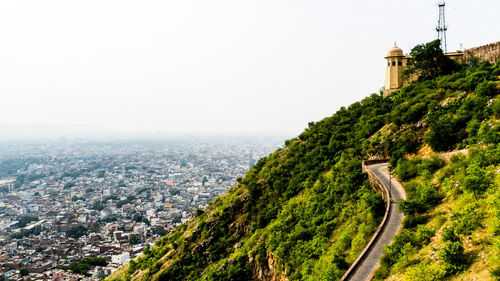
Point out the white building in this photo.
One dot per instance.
(121, 258)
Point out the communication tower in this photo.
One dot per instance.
(441, 28)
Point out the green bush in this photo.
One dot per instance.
(486, 89)
(425, 272)
(406, 169)
(449, 235)
(453, 258)
(476, 180)
(467, 220)
(431, 164)
(421, 198)
(445, 132)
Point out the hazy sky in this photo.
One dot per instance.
(253, 67)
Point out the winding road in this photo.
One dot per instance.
(365, 268)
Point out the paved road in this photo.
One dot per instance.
(394, 221)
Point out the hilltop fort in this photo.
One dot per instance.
(397, 61)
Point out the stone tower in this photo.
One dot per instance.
(396, 62)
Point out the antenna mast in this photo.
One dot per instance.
(441, 28)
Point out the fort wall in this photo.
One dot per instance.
(490, 52)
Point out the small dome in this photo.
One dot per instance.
(395, 51)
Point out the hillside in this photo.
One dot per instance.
(452, 217)
(306, 211)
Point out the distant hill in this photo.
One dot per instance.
(307, 210)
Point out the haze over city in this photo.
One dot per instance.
(206, 67)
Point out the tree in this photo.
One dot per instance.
(133, 239)
(476, 180)
(24, 271)
(76, 232)
(428, 61)
(445, 131)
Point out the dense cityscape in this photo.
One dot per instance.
(78, 210)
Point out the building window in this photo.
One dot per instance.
(393, 63)
(388, 63)
(399, 63)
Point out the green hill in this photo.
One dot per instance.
(306, 211)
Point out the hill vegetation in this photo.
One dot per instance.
(306, 211)
(452, 223)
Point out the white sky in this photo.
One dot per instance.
(242, 67)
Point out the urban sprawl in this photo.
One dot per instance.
(79, 210)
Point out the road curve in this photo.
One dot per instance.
(368, 264)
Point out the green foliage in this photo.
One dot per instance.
(453, 258)
(97, 207)
(486, 89)
(445, 132)
(449, 235)
(24, 271)
(428, 61)
(421, 198)
(134, 239)
(476, 180)
(87, 263)
(10, 166)
(76, 231)
(470, 214)
(431, 164)
(238, 270)
(26, 232)
(24, 221)
(407, 238)
(425, 272)
(406, 169)
(467, 220)
(120, 203)
(69, 185)
(198, 212)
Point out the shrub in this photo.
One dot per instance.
(376, 203)
(421, 199)
(24, 271)
(431, 164)
(453, 258)
(423, 235)
(495, 272)
(467, 220)
(486, 88)
(449, 235)
(406, 169)
(425, 272)
(445, 132)
(475, 180)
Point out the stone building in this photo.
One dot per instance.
(396, 62)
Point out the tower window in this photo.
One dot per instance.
(399, 63)
(388, 63)
(393, 63)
